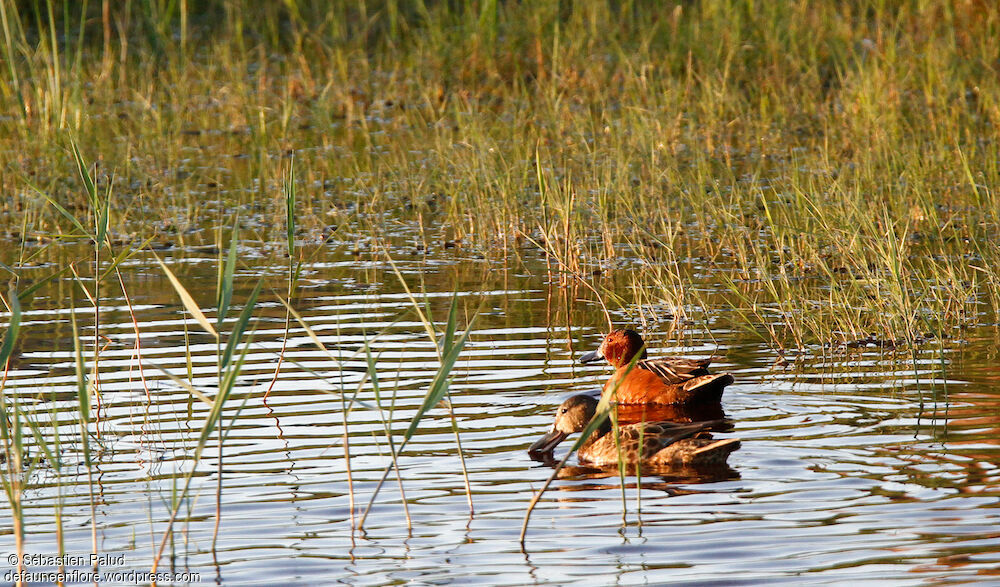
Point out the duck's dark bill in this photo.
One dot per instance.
(591, 357)
(546, 443)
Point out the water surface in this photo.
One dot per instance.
(855, 465)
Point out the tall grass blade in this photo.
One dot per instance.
(373, 376)
(9, 55)
(13, 326)
(124, 255)
(439, 386)
(27, 292)
(599, 417)
(82, 391)
(310, 332)
(185, 384)
(435, 393)
(11, 474)
(83, 415)
(103, 216)
(225, 286)
(424, 315)
(228, 382)
(451, 326)
(88, 181)
(66, 213)
(189, 304)
(209, 425)
(290, 208)
(241, 325)
(40, 442)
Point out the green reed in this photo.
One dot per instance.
(93, 225)
(229, 365)
(449, 346)
(294, 268)
(19, 463)
(91, 219)
(85, 386)
(11, 430)
(372, 363)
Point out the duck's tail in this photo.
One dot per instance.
(715, 453)
(707, 388)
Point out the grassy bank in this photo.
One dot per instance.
(831, 165)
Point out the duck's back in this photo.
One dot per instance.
(676, 369)
(645, 386)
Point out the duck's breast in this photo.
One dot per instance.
(640, 386)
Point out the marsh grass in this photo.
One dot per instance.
(831, 164)
(229, 363)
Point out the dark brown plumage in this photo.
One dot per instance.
(655, 443)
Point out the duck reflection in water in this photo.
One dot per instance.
(657, 446)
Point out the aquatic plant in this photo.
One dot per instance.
(836, 174)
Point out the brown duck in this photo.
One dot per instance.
(667, 380)
(662, 443)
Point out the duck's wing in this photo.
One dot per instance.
(676, 370)
(654, 436)
(641, 441)
(697, 451)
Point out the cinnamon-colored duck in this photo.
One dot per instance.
(662, 443)
(666, 380)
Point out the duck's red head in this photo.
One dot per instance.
(618, 348)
